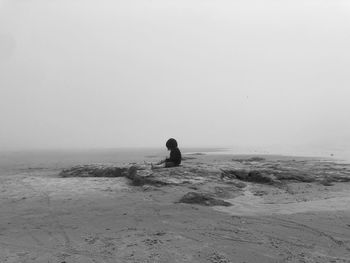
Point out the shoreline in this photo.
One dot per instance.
(247, 155)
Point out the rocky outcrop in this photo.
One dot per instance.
(133, 173)
(202, 199)
(251, 159)
(276, 176)
(274, 171)
(250, 176)
(94, 170)
(295, 176)
(140, 180)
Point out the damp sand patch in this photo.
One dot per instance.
(31, 187)
(251, 204)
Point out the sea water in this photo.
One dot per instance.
(334, 154)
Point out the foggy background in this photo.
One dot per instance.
(223, 73)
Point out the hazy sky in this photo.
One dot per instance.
(109, 73)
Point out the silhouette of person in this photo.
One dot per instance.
(175, 155)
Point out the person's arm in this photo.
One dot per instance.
(161, 162)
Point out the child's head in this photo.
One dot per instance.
(171, 144)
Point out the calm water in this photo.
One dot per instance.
(337, 154)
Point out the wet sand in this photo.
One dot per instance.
(47, 218)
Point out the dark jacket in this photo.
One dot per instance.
(175, 156)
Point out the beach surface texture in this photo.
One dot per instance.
(213, 208)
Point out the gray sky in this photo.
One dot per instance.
(83, 73)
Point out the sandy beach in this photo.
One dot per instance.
(47, 217)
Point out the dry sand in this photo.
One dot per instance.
(46, 218)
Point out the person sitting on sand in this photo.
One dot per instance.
(175, 156)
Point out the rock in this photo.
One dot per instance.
(252, 176)
(139, 180)
(295, 176)
(238, 184)
(260, 193)
(251, 159)
(260, 177)
(94, 170)
(113, 171)
(340, 178)
(239, 174)
(256, 159)
(202, 199)
(326, 182)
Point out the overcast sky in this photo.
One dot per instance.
(111, 73)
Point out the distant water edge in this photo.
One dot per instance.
(15, 161)
(332, 154)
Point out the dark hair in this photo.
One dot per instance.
(171, 143)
